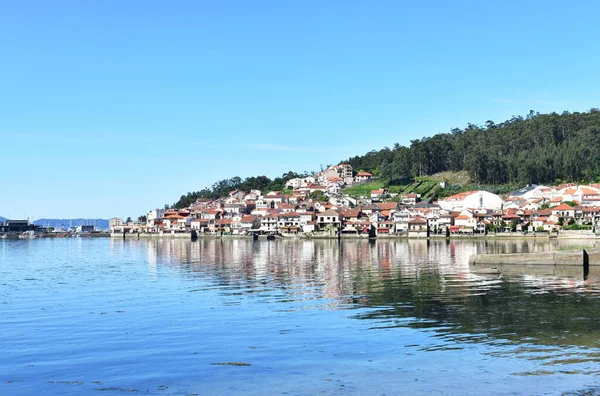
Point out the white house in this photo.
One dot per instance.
(298, 181)
(329, 218)
(471, 200)
(334, 189)
(154, 215)
(376, 195)
(362, 177)
(115, 222)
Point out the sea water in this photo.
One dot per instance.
(297, 317)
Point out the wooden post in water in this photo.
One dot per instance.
(586, 265)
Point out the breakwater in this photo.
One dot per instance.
(575, 263)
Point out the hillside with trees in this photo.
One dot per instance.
(540, 148)
(223, 187)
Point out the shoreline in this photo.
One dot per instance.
(187, 235)
(60, 235)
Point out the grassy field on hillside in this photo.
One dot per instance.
(429, 186)
(364, 190)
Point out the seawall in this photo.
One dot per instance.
(563, 263)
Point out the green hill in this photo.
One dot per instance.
(540, 148)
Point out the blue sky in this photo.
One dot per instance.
(113, 108)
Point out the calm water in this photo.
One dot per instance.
(172, 317)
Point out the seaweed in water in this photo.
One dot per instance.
(231, 364)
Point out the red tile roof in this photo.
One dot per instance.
(562, 207)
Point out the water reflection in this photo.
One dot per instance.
(416, 284)
(420, 279)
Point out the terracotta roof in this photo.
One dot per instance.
(350, 213)
(589, 191)
(562, 207)
(387, 205)
(329, 212)
(290, 214)
(460, 196)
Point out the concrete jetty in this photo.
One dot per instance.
(575, 263)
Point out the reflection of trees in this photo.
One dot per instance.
(417, 283)
(505, 309)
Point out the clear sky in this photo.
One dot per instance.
(112, 108)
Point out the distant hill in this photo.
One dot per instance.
(99, 224)
(2, 219)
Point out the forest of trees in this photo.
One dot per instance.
(540, 148)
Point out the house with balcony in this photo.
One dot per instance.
(417, 228)
(328, 218)
(289, 222)
(268, 223)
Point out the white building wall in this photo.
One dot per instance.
(477, 200)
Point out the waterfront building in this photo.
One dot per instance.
(18, 226)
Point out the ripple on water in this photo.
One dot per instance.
(302, 317)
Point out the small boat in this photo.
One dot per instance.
(27, 235)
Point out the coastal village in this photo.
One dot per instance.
(534, 209)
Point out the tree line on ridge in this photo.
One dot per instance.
(538, 148)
